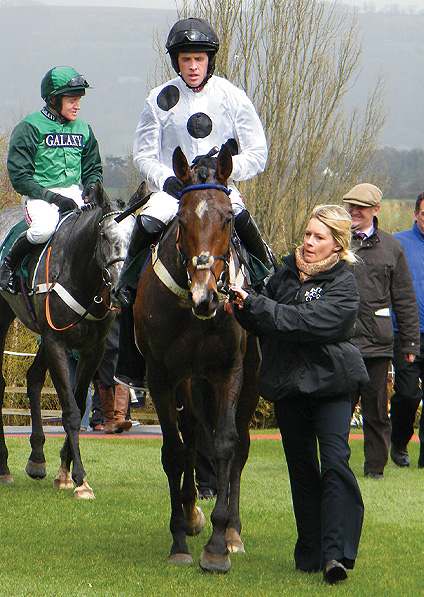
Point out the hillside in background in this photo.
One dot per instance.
(113, 48)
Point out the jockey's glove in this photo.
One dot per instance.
(64, 203)
(88, 193)
(173, 186)
(205, 161)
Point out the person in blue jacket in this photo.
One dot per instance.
(408, 388)
(305, 319)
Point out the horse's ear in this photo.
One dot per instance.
(180, 165)
(225, 164)
(139, 194)
(101, 197)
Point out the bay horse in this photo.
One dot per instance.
(68, 306)
(183, 331)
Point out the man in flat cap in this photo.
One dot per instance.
(385, 286)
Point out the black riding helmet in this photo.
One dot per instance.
(192, 35)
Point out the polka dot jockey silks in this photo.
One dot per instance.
(174, 115)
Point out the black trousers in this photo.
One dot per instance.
(130, 362)
(407, 395)
(327, 501)
(375, 416)
(205, 467)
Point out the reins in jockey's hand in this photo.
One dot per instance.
(133, 208)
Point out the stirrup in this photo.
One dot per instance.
(125, 296)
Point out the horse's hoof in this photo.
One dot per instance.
(214, 562)
(6, 478)
(180, 558)
(84, 492)
(36, 470)
(63, 481)
(234, 543)
(199, 523)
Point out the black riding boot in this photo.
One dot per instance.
(19, 249)
(145, 233)
(250, 236)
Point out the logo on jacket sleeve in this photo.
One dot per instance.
(63, 140)
(314, 293)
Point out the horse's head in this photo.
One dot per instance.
(113, 237)
(205, 219)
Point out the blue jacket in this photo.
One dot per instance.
(412, 241)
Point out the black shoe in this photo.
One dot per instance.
(205, 493)
(377, 476)
(399, 456)
(334, 572)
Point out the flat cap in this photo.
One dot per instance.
(364, 195)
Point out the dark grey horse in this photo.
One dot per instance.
(69, 309)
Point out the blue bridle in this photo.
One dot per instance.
(202, 187)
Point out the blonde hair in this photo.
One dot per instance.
(338, 220)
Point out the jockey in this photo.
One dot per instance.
(51, 152)
(197, 111)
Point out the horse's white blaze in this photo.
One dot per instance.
(201, 208)
(199, 293)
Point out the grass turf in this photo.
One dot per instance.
(117, 544)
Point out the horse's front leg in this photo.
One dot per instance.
(36, 374)
(246, 406)
(6, 318)
(173, 462)
(5, 476)
(215, 556)
(187, 423)
(58, 363)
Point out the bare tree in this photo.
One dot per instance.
(7, 195)
(297, 60)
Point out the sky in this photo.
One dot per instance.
(169, 4)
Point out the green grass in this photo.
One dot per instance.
(117, 544)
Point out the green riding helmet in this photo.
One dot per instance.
(62, 80)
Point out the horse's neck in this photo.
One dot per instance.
(74, 250)
(168, 254)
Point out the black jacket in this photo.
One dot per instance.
(304, 332)
(385, 284)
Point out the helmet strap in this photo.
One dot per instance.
(55, 103)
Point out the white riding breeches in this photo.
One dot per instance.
(42, 217)
(164, 207)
